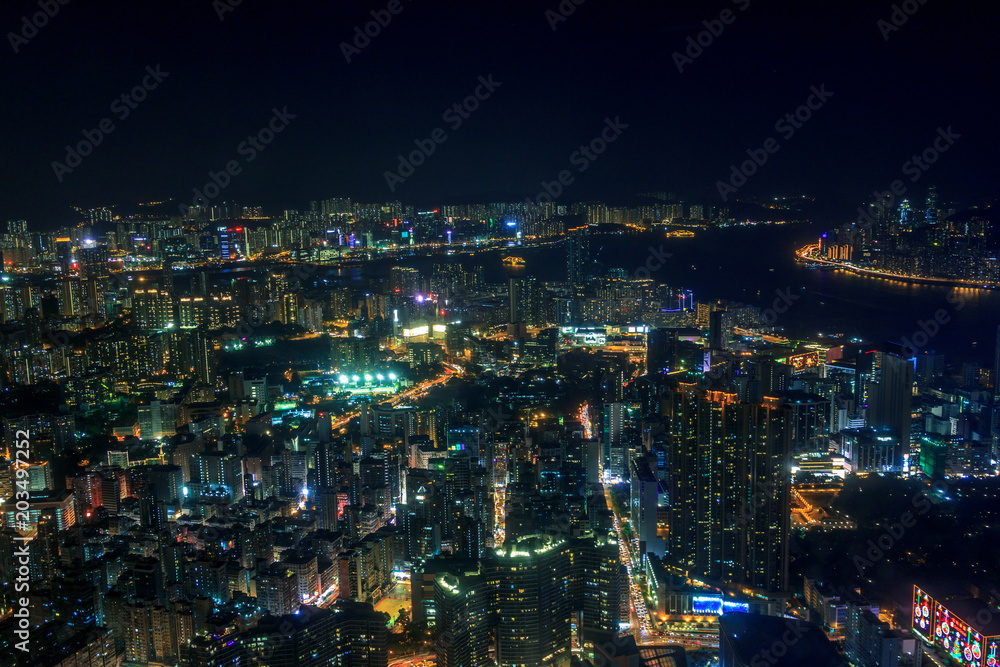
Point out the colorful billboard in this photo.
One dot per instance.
(958, 640)
(707, 604)
(965, 645)
(923, 610)
(992, 654)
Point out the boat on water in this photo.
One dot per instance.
(514, 262)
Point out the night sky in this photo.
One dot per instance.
(606, 59)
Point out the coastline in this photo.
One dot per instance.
(802, 255)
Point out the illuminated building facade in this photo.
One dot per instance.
(463, 607)
(729, 488)
(542, 587)
(578, 255)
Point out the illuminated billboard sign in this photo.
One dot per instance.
(584, 336)
(992, 657)
(923, 608)
(959, 641)
(707, 604)
(714, 605)
(942, 628)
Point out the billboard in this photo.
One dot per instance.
(953, 636)
(992, 657)
(958, 640)
(707, 604)
(923, 610)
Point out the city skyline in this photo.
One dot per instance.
(554, 333)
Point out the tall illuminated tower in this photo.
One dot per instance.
(578, 255)
(729, 487)
(533, 623)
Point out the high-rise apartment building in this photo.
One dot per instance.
(884, 387)
(729, 487)
(542, 587)
(578, 255)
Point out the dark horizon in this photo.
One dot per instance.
(891, 92)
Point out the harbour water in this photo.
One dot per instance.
(754, 265)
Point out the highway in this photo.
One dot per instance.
(692, 639)
(637, 602)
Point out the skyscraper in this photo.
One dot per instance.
(616, 454)
(661, 345)
(578, 255)
(533, 624)
(644, 508)
(885, 376)
(720, 329)
(729, 487)
(527, 302)
(541, 587)
(462, 632)
(931, 212)
(205, 363)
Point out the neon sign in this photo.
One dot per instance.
(923, 607)
(961, 642)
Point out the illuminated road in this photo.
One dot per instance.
(804, 254)
(499, 494)
(636, 599)
(414, 392)
(327, 597)
(420, 660)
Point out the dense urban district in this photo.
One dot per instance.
(364, 435)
